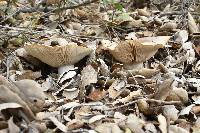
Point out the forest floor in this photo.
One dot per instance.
(100, 66)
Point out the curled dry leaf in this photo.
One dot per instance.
(116, 88)
(27, 93)
(131, 96)
(178, 94)
(108, 128)
(9, 106)
(167, 111)
(8, 96)
(148, 73)
(163, 123)
(176, 129)
(34, 93)
(164, 89)
(59, 125)
(135, 124)
(12, 127)
(96, 118)
(70, 93)
(74, 124)
(97, 95)
(58, 55)
(169, 26)
(143, 12)
(193, 28)
(11, 93)
(143, 106)
(88, 75)
(181, 36)
(186, 110)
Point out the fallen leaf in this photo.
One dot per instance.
(181, 36)
(59, 125)
(186, 110)
(88, 76)
(135, 124)
(193, 28)
(164, 89)
(176, 129)
(116, 88)
(96, 118)
(108, 128)
(168, 26)
(97, 95)
(34, 93)
(143, 12)
(9, 106)
(163, 123)
(167, 111)
(12, 127)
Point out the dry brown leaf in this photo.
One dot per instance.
(50, 2)
(148, 73)
(196, 109)
(116, 88)
(108, 128)
(8, 96)
(88, 76)
(96, 118)
(178, 94)
(34, 93)
(129, 98)
(168, 26)
(143, 106)
(143, 12)
(28, 74)
(97, 95)
(74, 124)
(193, 28)
(135, 124)
(164, 89)
(58, 55)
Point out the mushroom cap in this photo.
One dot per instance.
(132, 51)
(58, 55)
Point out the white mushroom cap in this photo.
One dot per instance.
(132, 52)
(58, 55)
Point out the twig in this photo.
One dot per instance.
(148, 100)
(50, 10)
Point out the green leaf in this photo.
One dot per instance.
(118, 6)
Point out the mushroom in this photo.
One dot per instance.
(57, 56)
(134, 52)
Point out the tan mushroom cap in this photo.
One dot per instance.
(136, 51)
(58, 55)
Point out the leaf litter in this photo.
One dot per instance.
(99, 66)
